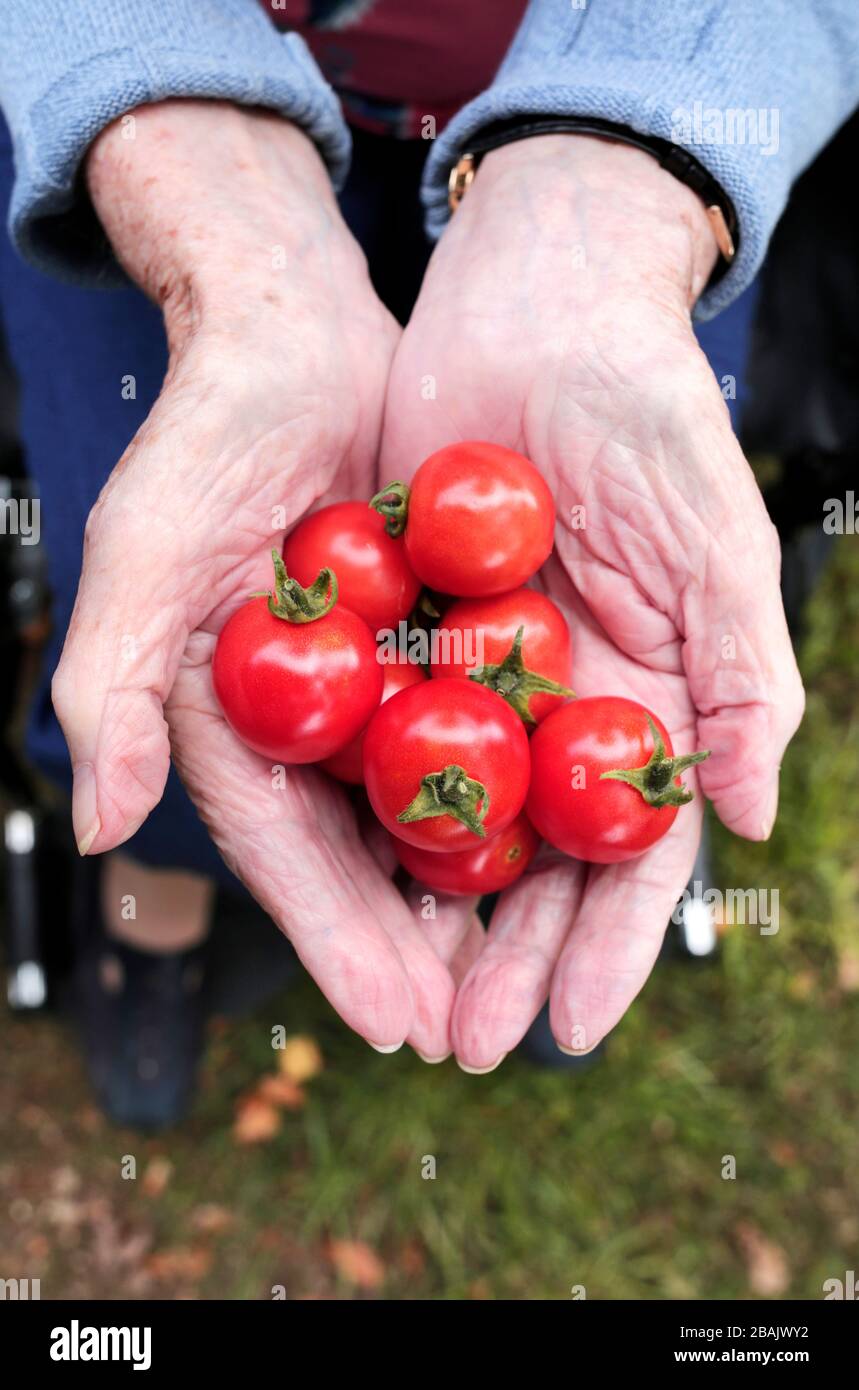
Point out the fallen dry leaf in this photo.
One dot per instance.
(116, 1250)
(65, 1181)
(280, 1090)
(357, 1263)
(766, 1262)
(848, 970)
(300, 1058)
(159, 1171)
(256, 1121)
(783, 1152)
(180, 1262)
(90, 1119)
(210, 1219)
(37, 1247)
(412, 1259)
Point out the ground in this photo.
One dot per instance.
(618, 1181)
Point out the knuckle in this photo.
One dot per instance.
(794, 702)
(97, 525)
(62, 691)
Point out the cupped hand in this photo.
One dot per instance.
(279, 356)
(555, 319)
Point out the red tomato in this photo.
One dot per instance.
(492, 866)
(348, 764)
(604, 783)
(446, 764)
(296, 689)
(373, 573)
(479, 519)
(482, 632)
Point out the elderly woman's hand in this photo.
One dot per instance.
(279, 356)
(555, 319)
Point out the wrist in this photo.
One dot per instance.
(201, 200)
(645, 228)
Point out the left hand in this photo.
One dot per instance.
(279, 359)
(555, 319)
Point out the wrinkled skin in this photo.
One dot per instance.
(275, 398)
(592, 370)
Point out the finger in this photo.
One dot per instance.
(440, 923)
(744, 680)
(617, 933)
(145, 566)
(432, 983)
(508, 982)
(468, 950)
(293, 839)
(120, 655)
(444, 918)
(376, 838)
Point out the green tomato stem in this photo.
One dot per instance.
(655, 780)
(393, 504)
(295, 604)
(450, 792)
(512, 680)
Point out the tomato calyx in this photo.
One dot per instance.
(393, 504)
(512, 680)
(294, 603)
(426, 606)
(655, 780)
(450, 792)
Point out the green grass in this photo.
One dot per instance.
(613, 1180)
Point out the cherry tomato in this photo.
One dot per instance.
(604, 781)
(446, 764)
(492, 866)
(373, 572)
(296, 688)
(348, 764)
(532, 673)
(478, 519)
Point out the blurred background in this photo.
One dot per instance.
(710, 1152)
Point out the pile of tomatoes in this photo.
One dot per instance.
(472, 755)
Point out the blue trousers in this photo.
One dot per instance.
(69, 348)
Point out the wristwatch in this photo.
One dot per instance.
(673, 158)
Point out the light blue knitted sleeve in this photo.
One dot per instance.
(68, 69)
(753, 88)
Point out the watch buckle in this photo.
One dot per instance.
(724, 240)
(461, 178)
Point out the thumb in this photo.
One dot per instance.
(127, 634)
(742, 677)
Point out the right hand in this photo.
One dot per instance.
(279, 357)
(588, 364)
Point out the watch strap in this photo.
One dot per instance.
(673, 158)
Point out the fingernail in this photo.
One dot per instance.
(389, 1047)
(432, 1061)
(85, 818)
(576, 1051)
(131, 828)
(480, 1071)
(770, 813)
